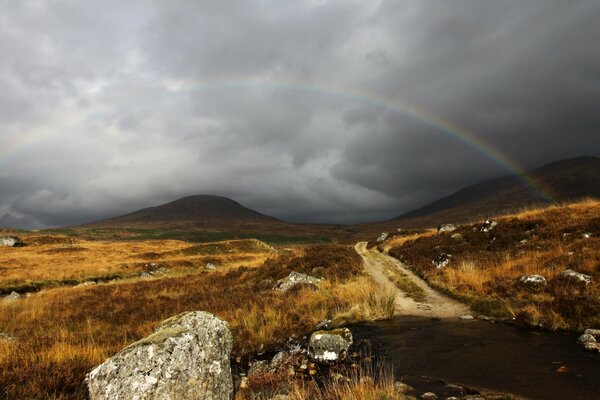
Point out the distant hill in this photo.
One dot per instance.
(565, 181)
(201, 211)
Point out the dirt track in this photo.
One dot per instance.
(435, 304)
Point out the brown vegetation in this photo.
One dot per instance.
(485, 266)
(62, 333)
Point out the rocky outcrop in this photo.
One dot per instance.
(329, 346)
(446, 228)
(187, 357)
(532, 280)
(296, 280)
(10, 241)
(576, 277)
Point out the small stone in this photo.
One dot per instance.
(586, 338)
(325, 347)
(578, 277)
(442, 261)
(295, 279)
(446, 228)
(429, 396)
(403, 388)
(593, 332)
(210, 266)
(457, 236)
(532, 280)
(488, 225)
(382, 237)
(467, 317)
(14, 296)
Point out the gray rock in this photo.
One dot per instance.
(329, 346)
(488, 225)
(14, 296)
(446, 228)
(467, 317)
(586, 338)
(578, 277)
(532, 280)
(210, 266)
(86, 283)
(295, 279)
(10, 241)
(429, 396)
(187, 357)
(145, 275)
(594, 332)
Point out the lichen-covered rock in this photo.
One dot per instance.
(532, 280)
(446, 228)
(295, 279)
(382, 238)
(577, 277)
(329, 346)
(187, 357)
(10, 241)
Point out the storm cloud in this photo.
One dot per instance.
(285, 106)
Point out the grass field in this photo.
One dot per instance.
(62, 333)
(485, 266)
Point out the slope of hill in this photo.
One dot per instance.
(566, 180)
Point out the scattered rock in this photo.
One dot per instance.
(532, 280)
(467, 317)
(14, 296)
(86, 283)
(488, 225)
(11, 241)
(586, 235)
(187, 357)
(329, 346)
(442, 261)
(382, 237)
(295, 279)
(573, 276)
(446, 228)
(210, 266)
(429, 396)
(403, 388)
(457, 236)
(145, 274)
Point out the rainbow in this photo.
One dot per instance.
(377, 100)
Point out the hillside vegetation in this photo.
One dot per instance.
(484, 268)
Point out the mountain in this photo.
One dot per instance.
(201, 211)
(564, 181)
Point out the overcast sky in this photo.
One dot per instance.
(287, 106)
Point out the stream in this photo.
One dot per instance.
(497, 357)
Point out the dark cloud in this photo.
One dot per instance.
(111, 107)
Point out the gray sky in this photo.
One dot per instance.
(286, 106)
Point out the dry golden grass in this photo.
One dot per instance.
(485, 267)
(52, 260)
(64, 332)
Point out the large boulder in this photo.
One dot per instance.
(187, 357)
(295, 280)
(329, 346)
(10, 241)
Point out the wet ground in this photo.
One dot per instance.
(503, 358)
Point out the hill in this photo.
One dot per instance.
(200, 211)
(565, 181)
